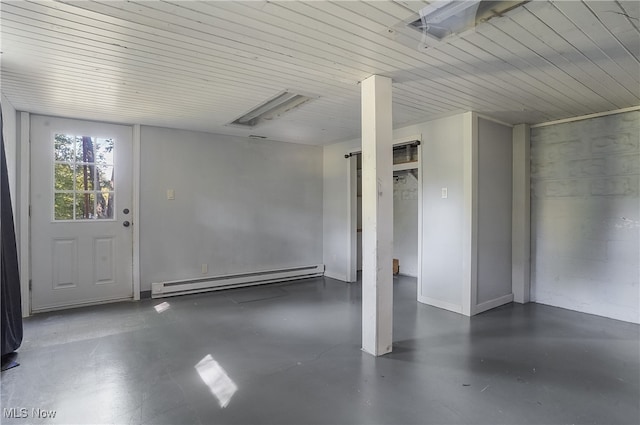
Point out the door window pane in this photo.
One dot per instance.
(105, 176)
(104, 205)
(63, 177)
(104, 151)
(65, 148)
(85, 177)
(83, 171)
(63, 206)
(85, 206)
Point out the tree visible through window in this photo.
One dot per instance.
(83, 178)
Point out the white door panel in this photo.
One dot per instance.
(80, 189)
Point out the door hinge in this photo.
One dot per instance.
(30, 284)
(29, 210)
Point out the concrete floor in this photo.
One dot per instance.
(293, 352)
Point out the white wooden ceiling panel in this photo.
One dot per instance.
(514, 70)
(256, 45)
(538, 69)
(434, 76)
(438, 77)
(531, 50)
(604, 45)
(368, 16)
(482, 74)
(597, 78)
(148, 52)
(543, 39)
(150, 62)
(62, 54)
(216, 49)
(239, 35)
(57, 71)
(199, 65)
(483, 53)
(618, 16)
(401, 9)
(577, 48)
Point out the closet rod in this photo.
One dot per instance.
(395, 147)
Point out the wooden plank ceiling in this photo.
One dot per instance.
(200, 65)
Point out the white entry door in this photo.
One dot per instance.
(81, 193)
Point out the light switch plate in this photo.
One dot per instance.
(171, 194)
(445, 192)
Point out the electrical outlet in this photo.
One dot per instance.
(445, 192)
(205, 269)
(171, 194)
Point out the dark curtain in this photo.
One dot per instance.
(11, 315)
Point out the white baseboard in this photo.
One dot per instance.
(497, 302)
(441, 304)
(336, 276)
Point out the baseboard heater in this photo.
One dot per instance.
(216, 283)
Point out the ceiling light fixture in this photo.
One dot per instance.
(441, 10)
(271, 109)
(441, 19)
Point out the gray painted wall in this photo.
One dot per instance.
(494, 210)
(405, 223)
(443, 219)
(240, 205)
(585, 215)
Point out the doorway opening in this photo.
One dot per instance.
(405, 210)
(407, 195)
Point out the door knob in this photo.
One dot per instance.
(126, 224)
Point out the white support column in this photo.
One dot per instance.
(521, 215)
(377, 216)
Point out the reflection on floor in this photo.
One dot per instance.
(253, 357)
